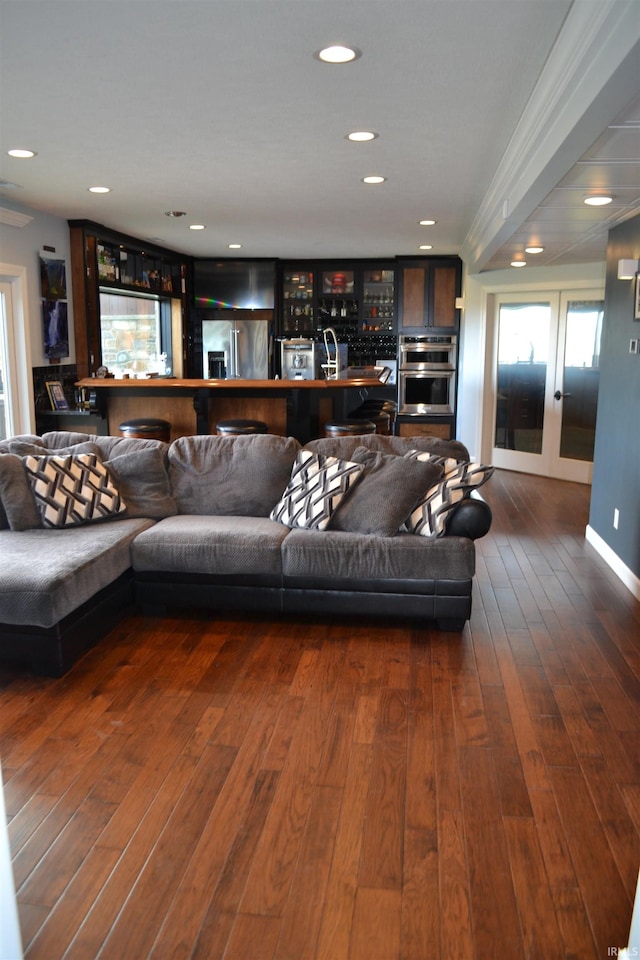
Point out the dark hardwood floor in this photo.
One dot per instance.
(256, 789)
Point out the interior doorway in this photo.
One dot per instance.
(545, 382)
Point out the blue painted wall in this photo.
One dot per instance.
(616, 470)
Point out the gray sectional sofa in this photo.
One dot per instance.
(90, 526)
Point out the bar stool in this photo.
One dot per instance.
(380, 419)
(147, 428)
(348, 428)
(380, 412)
(240, 428)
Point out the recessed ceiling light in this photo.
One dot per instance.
(361, 136)
(175, 213)
(598, 201)
(518, 263)
(373, 179)
(533, 249)
(99, 189)
(235, 246)
(338, 53)
(425, 246)
(197, 226)
(21, 154)
(426, 223)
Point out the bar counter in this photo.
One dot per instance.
(297, 408)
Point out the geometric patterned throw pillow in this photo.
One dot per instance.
(429, 516)
(448, 464)
(72, 489)
(317, 486)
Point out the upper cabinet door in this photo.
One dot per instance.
(428, 294)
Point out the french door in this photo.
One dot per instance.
(545, 382)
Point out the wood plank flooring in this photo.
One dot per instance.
(238, 788)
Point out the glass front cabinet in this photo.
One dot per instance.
(355, 299)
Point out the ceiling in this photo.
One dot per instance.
(495, 118)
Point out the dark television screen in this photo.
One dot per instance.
(243, 284)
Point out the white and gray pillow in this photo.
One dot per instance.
(317, 486)
(429, 516)
(71, 490)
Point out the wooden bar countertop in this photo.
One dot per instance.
(176, 383)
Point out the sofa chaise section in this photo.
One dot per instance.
(62, 590)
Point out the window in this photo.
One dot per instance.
(134, 336)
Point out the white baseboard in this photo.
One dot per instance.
(620, 569)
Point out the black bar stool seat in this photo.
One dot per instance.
(146, 428)
(240, 428)
(348, 428)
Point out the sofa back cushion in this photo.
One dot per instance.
(19, 510)
(344, 447)
(230, 476)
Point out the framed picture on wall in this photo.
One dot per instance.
(636, 299)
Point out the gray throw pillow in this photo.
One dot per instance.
(16, 494)
(385, 495)
(142, 479)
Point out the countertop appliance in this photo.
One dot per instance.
(304, 359)
(237, 348)
(299, 359)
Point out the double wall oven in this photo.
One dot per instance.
(427, 375)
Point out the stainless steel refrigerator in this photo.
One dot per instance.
(237, 348)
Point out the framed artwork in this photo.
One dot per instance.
(53, 278)
(53, 292)
(636, 299)
(55, 331)
(56, 395)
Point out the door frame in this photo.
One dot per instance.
(18, 348)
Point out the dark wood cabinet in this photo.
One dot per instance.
(428, 289)
(103, 260)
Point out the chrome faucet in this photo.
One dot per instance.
(331, 367)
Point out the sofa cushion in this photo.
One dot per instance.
(211, 545)
(72, 489)
(387, 492)
(315, 490)
(429, 517)
(344, 446)
(230, 476)
(142, 479)
(46, 574)
(334, 555)
(18, 502)
(24, 448)
(107, 446)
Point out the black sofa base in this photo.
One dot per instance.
(446, 602)
(51, 651)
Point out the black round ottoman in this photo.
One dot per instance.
(147, 428)
(240, 428)
(348, 428)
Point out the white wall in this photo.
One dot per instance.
(21, 246)
(475, 403)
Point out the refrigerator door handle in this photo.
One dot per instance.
(233, 345)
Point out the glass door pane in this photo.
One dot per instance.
(523, 357)
(580, 378)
